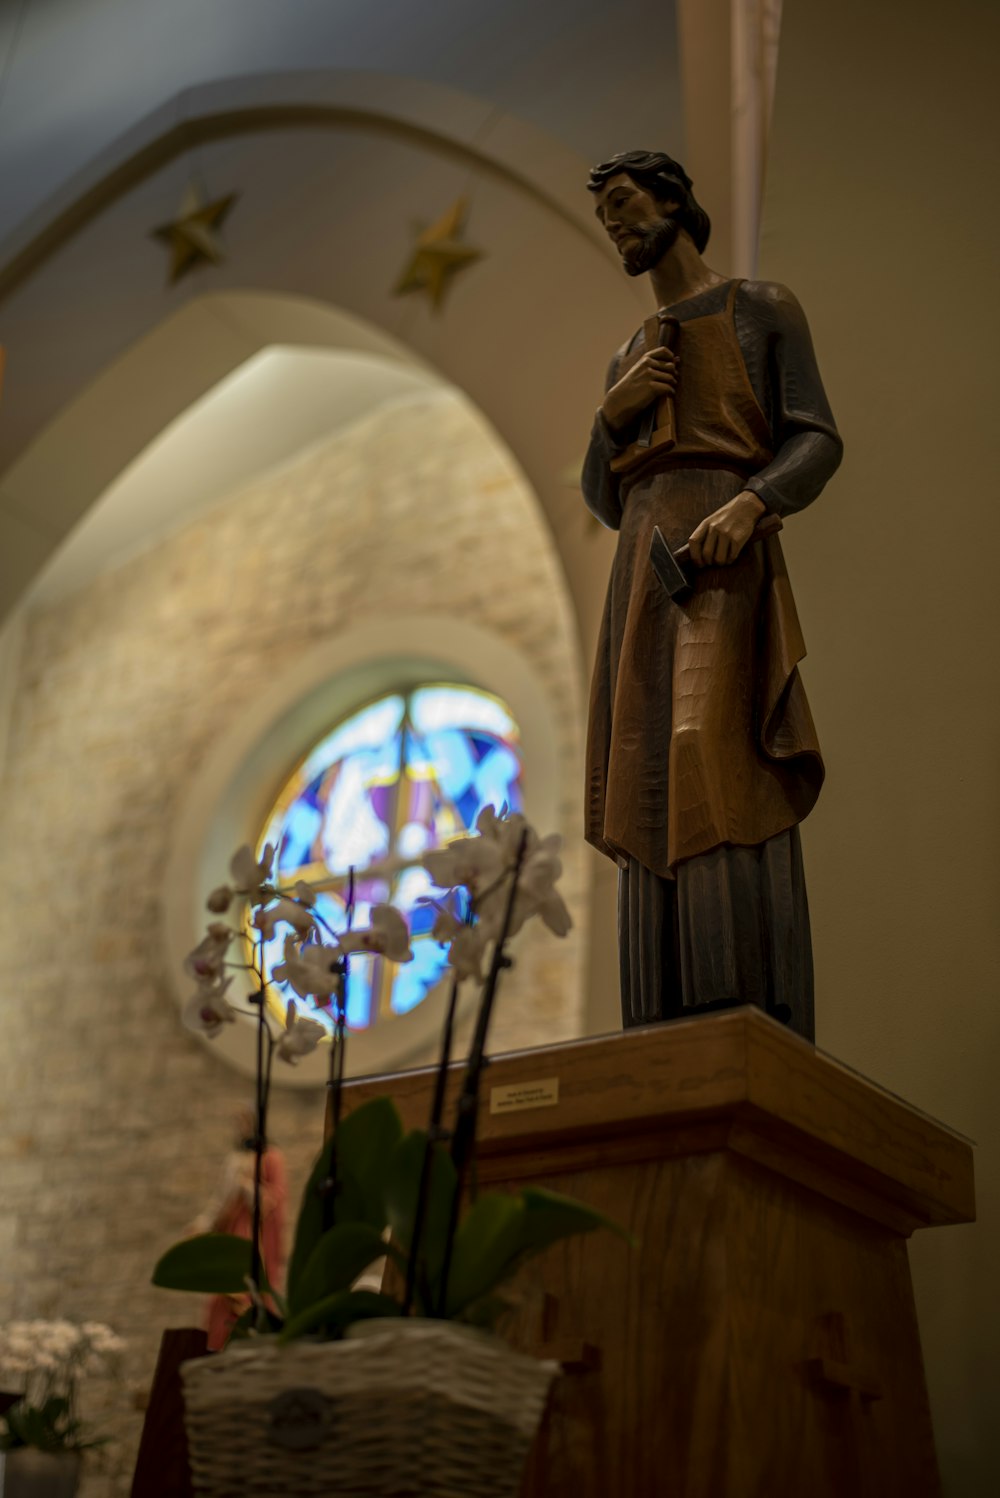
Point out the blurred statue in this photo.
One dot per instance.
(232, 1212)
(702, 756)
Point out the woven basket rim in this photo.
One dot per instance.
(269, 1350)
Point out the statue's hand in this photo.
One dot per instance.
(721, 536)
(653, 376)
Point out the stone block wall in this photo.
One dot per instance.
(113, 1120)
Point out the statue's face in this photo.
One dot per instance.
(639, 224)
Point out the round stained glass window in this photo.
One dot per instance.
(406, 773)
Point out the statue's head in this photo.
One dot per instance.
(644, 200)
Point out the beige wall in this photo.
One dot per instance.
(882, 215)
(113, 1120)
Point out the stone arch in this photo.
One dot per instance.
(62, 282)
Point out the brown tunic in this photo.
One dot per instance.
(699, 732)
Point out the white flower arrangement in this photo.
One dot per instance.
(45, 1359)
(314, 959)
(510, 875)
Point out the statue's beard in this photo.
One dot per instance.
(648, 246)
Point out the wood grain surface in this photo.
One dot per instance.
(782, 1102)
(759, 1340)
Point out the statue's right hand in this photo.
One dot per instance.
(652, 376)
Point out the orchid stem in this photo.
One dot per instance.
(463, 1140)
(433, 1135)
(255, 1254)
(335, 1082)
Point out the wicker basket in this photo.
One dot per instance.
(397, 1410)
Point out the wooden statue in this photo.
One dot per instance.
(702, 757)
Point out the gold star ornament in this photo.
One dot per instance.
(191, 237)
(438, 255)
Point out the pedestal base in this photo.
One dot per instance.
(760, 1338)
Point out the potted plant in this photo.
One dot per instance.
(402, 1389)
(41, 1435)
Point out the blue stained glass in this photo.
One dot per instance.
(496, 774)
(452, 755)
(416, 977)
(460, 707)
(359, 993)
(354, 830)
(367, 729)
(302, 824)
(403, 774)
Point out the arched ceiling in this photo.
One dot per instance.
(325, 215)
(341, 126)
(83, 72)
(279, 402)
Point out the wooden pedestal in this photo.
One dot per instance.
(761, 1337)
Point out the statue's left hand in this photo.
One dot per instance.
(721, 536)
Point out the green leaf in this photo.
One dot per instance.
(348, 1206)
(309, 1228)
(368, 1139)
(551, 1216)
(485, 1312)
(210, 1264)
(401, 1189)
(500, 1232)
(489, 1239)
(27, 1425)
(335, 1263)
(366, 1143)
(337, 1312)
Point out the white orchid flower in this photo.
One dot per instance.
(295, 915)
(208, 1010)
(251, 878)
(466, 953)
(466, 944)
(536, 885)
(446, 924)
(206, 962)
(387, 935)
(475, 862)
(506, 832)
(301, 1036)
(313, 970)
(540, 868)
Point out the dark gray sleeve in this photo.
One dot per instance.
(778, 352)
(601, 486)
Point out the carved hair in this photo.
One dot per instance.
(665, 180)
